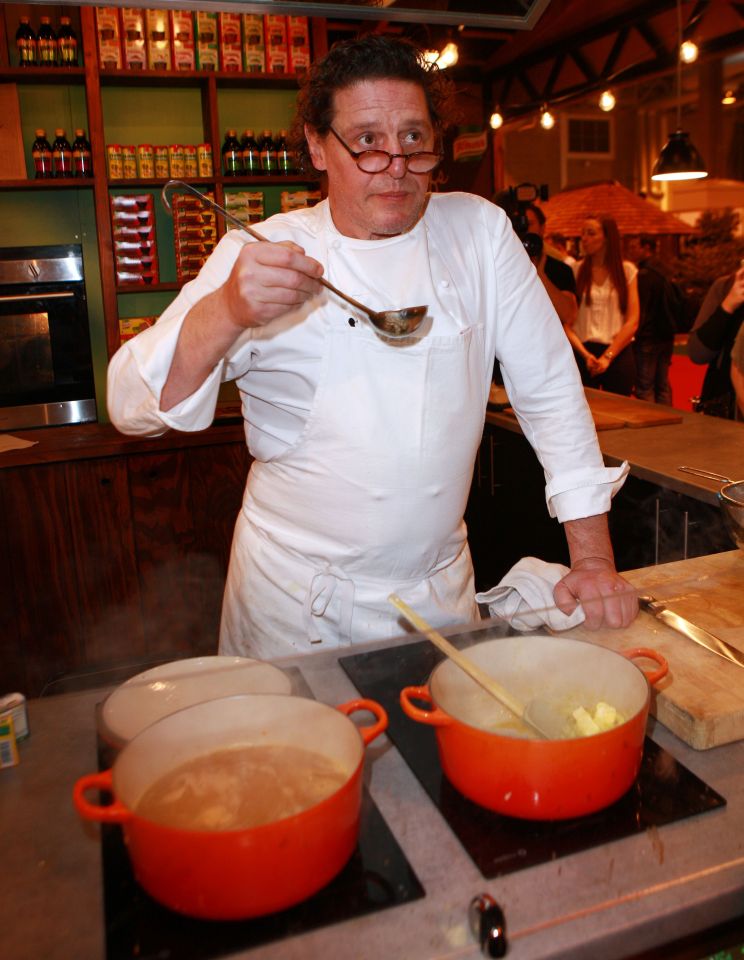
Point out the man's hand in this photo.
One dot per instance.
(607, 599)
(267, 280)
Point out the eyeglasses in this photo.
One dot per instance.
(376, 161)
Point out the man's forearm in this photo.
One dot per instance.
(589, 538)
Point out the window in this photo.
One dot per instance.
(590, 136)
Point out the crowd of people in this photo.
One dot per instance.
(621, 316)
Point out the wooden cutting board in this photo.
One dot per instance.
(631, 413)
(701, 700)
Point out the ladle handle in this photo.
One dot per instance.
(704, 473)
(463, 662)
(253, 233)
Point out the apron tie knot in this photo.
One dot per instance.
(326, 584)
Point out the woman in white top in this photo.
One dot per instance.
(607, 291)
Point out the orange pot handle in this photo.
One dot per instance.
(113, 813)
(369, 733)
(653, 676)
(435, 717)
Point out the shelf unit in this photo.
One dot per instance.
(95, 81)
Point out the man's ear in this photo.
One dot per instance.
(316, 145)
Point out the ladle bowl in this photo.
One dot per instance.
(395, 324)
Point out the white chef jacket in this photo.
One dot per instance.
(464, 258)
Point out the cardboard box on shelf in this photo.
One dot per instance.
(130, 326)
(298, 42)
(207, 48)
(182, 38)
(254, 50)
(133, 38)
(296, 199)
(231, 42)
(275, 38)
(108, 28)
(157, 28)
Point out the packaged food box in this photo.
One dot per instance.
(127, 277)
(297, 199)
(127, 248)
(133, 219)
(108, 28)
(145, 263)
(141, 234)
(275, 38)
(254, 51)
(298, 43)
(132, 202)
(157, 30)
(207, 49)
(130, 326)
(182, 38)
(133, 38)
(231, 44)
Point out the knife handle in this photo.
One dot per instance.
(652, 676)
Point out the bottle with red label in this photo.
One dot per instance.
(46, 44)
(61, 154)
(41, 151)
(82, 158)
(26, 44)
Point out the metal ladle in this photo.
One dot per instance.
(395, 324)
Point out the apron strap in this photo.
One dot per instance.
(325, 584)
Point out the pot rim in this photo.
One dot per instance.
(536, 740)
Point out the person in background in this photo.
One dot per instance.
(711, 341)
(607, 291)
(558, 247)
(364, 447)
(556, 277)
(737, 370)
(660, 304)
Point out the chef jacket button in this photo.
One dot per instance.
(444, 283)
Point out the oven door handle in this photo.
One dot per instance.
(37, 296)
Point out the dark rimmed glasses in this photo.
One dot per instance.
(377, 161)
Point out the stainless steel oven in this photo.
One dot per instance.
(46, 368)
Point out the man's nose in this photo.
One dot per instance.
(397, 168)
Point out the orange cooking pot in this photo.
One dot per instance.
(491, 758)
(236, 874)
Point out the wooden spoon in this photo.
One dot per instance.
(546, 724)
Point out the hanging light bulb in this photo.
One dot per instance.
(496, 120)
(547, 120)
(607, 101)
(430, 56)
(679, 160)
(449, 56)
(728, 98)
(688, 51)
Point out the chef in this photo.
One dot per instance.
(364, 446)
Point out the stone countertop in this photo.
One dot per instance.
(655, 452)
(621, 898)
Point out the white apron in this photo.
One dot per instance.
(370, 498)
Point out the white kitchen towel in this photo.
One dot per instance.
(524, 597)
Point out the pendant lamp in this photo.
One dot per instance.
(679, 160)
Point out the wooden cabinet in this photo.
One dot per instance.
(114, 560)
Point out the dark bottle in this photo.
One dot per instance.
(82, 159)
(67, 45)
(232, 161)
(284, 156)
(267, 153)
(26, 44)
(41, 151)
(46, 43)
(61, 154)
(251, 162)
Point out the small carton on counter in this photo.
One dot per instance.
(157, 30)
(254, 51)
(275, 38)
(298, 41)
(182, 37)
(108, 29)
(133, 38)
(207, 48)
(231, 42)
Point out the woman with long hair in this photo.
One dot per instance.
(607, 291)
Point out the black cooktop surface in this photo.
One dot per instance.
(665, 790)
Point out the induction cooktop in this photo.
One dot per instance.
(664, 791)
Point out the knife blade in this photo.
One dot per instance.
(690, 630)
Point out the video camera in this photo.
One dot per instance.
(515, 201)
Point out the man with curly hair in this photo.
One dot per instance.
(364, 447)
